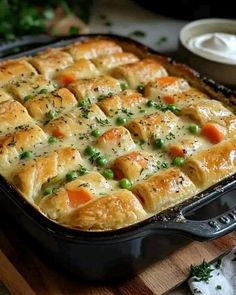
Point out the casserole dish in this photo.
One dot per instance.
(122, 252)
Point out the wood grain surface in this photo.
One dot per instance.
(24, 272)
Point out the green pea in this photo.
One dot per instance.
(43, 91)
(95, 133)
(178, 161)
(83, 103)
(101, 161)
(194, 129)
(125, 183)
(82, 170)
(52, 140)
(123, 86)
(108, 174)
(173, 108)
(140, 88)
(48, 191)
(52, 114)
(160, 143)
(28, 97)
(71, 175)
(121, 121)
(151, 103)
(90, 151)
(26, 155)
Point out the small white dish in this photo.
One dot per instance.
(223, 72)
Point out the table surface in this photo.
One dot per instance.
(125, 17)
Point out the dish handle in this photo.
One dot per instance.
(202, 230)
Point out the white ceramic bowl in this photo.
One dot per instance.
(224, 73)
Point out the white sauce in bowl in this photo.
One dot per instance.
(220, 47)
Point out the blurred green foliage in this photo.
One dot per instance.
(22, 17)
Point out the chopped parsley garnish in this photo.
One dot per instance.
(127, 112)
(218, 287)
(161, 165)
(82, 170)
(102, 122)
(93, 158)
(138, 33)
(170, 136)
(202, 272)
(84, 107)
(162, 40)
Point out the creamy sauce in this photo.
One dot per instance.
(220, 47)
(82, 140)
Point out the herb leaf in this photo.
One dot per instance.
(138, 33)
(102, 122)
(202, 272)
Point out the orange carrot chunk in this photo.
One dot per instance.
(169, 99)
(58, 133)
(112, 134)
(67, 79)
(79, 197)
(176, 151)
(212, 133)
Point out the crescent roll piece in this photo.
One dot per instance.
(92, 49)
(26, 138)
(50, 61)
(14, 70)
(158, 124)
(28, 88)
(208, 167)
(115, 142)
(74, 194)
(58, 101)
(126, 99)
(206, 111)
(186, 146)
(116, 210)
(4, 95)
(75, 122)
(81, 69)
(30, 177)
(139, 73)
(164, 189)
(96, 88)
(134, 165)
(12, 114)
(165, 86)
(106, 62)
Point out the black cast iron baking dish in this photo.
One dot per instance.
(121, 253)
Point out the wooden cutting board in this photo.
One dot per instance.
(23, 272)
